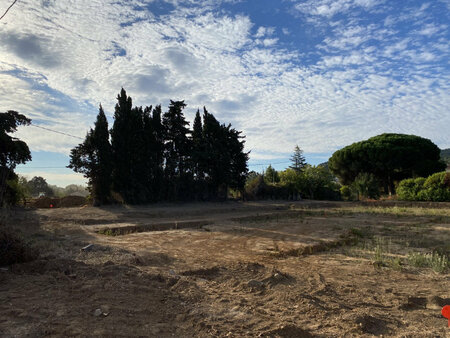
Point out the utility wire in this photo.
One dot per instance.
(253, 165)
(58, 132)
(44, 168)
(8, 9)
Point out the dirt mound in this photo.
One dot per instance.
(72, 201)
(65, 202)
(288, 331)
(371, 325)
(430, 302)
(46, 202)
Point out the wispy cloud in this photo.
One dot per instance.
(329, 8)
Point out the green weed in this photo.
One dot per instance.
(436, 261)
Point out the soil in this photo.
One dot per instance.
(266, 269)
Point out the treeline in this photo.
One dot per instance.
(151, 156)
(19, 189)
(299, 181)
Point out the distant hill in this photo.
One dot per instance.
(445, 155)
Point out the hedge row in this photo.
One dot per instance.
(434, 188)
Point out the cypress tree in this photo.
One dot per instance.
(148, 153)
(122, 142)
(225, 159)
(104, 156)
(198, 148)
(177, 151)
(93, 158)
(214, 147)
(237, 158)
(158, 182)
(139, 189)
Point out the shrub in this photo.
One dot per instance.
(346, 192)
(409, 189)
(255, 188)
(367, 185)
(435, 188)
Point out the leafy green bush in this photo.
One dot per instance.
(346, 193)
(435, 188)
(409, 189)
(312, 182)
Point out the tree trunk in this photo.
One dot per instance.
(391, 186)
(3, 176)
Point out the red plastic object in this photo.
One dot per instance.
(51, 205)
(446, 313)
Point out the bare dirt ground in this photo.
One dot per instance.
(279, 269)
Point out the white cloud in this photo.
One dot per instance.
(329, 8)
(431, 29)
(264, 31)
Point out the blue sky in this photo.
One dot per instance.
(318, 73)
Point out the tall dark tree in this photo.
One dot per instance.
(198, 155)
(148, 153)
(238, 159)
(124, 134)
(389, 157)
(157, 167)
(12, 151)
(93, 158)
(141, 143)
(177, 151)
(297, 159)
(214, 151)
(225, 159)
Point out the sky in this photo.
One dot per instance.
(318, 73)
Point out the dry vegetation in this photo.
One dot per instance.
(258, 269)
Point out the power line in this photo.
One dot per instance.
(257, 164)
(43, 168)
(8, 9)
(58, 132)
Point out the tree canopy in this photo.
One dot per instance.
(271, 175)
(389, 157)
(13, 151)
(38, 185)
